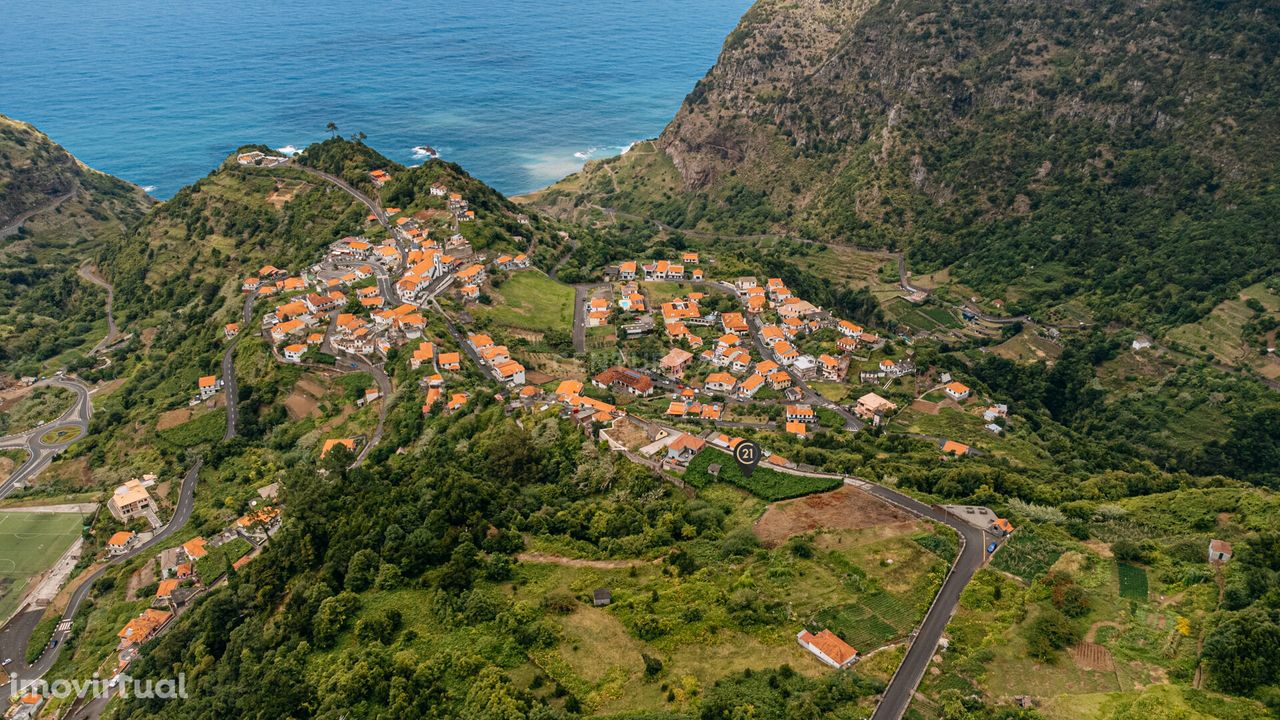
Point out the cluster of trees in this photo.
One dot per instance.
(1242, 650)
(438, 521)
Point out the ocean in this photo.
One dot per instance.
(520, 93)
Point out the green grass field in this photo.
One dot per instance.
(29, 544)
(1133, 581)
(532, 301)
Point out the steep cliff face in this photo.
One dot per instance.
(1108, 139)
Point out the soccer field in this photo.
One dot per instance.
(29, 544)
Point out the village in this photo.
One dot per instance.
(739, 352)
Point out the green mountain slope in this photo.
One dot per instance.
(55, 214)
(1126, 153)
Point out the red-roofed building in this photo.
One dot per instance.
(828, 648)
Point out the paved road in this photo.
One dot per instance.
(230, 389)
(14, 638)
(40, 453)
(924, 641)
(902, 686)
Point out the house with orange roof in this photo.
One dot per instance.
(379, 177)
(510, 372)
(424, 353)
(1000, 527)
(956, 390)
(231, 330)
(331, 443)
(120, 542)
(785, 352)
(293, 353)
(749, 387)
(164, 591)
(779, 380)
(250, 284)
(846, 345)
(833, 368)
(471, 275)
(433, 396)
(142, 628)
(195, 548)
(801, 414)
(829, 648)
(735, 323)
(951, 447)
(684, 448)
(568, 388)
(798, 429)
(721, 382)
(451, 361)
(208, 386)
(457, 401)
(689, 258)
(284, 330)
(271, 272)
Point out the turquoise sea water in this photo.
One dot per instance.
(519, 92)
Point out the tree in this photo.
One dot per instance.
(1243, 652)
(332, 127)
(362, 570)
(1049, 632)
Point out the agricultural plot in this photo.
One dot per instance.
(763, 482)
(870, 622)
(922, 318)
(1029, 553)
(1133, 582)
(30, 543)
(205, 428)
(1221, 332)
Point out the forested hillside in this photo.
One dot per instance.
(55, 214)
(1128, 152)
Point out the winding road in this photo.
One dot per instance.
(113, 335)
(39, 452)
(898, 694)
(17, 634)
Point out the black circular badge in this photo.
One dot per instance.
(747, 454)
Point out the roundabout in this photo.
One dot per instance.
(62, 435)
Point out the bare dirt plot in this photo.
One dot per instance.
(629, 434)
(173, 418)
(139, 579)
(533, 377)
(924, 406)
(846, 508)
(284, 192)
(304, 400)
(1091, 656)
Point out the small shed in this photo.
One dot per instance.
(1219, 551)
(601, 597)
